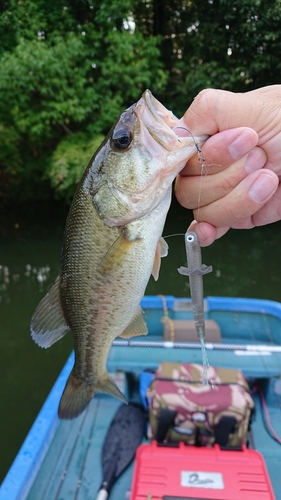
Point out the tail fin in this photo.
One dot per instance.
(109, 387)
(77, 395)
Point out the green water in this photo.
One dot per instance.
(245, 263)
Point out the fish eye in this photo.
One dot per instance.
(121, 140)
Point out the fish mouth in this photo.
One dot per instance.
(168, 151)
(158, 133)
(158, 111)
(162, 154)
(160, 122)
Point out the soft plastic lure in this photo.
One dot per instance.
(195, 271)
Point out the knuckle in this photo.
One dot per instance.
(235, 213)
(228, 183)
(207, 98)
(183, 194)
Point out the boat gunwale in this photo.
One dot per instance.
(23, 470)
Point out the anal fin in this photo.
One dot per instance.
(109, 387)
(136, 327)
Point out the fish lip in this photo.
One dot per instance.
(161, 123)
(159, 112)
(158, 120)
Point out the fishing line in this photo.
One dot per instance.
(201, 160)
(171, 235)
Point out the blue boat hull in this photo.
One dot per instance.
(251, 341)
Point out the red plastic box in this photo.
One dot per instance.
(189, 472)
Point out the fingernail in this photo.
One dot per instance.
(202, 236)
(264, 187)
(241, 145)
(181, 129)
(197, 227)
(192, 225)
(255, 160)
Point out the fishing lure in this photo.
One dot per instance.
(195, 271)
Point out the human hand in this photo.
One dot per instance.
(241, 188)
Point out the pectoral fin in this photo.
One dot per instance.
(48, 323)
(136, 327)
(161, 251)
(116, 254)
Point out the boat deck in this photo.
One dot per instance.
(72, 466)
(61, 460)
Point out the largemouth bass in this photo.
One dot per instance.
(112, 244)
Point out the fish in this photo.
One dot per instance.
(112, 244)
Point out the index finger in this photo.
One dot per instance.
(216, 110)
(221, 150)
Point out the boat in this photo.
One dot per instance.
(61, 460)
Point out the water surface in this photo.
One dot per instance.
(245, 263)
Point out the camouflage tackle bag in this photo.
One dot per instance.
(182, 408)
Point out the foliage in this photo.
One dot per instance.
(69, 67)
(69, 161)
(66, 67)
(234, 45)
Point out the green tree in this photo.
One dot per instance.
(234, 45)
(69, 67)
(66, 68)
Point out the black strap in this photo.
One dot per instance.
(224, 427)
(165, 421)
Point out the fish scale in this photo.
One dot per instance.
(112, 244)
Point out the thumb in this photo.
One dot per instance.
(215, 110)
